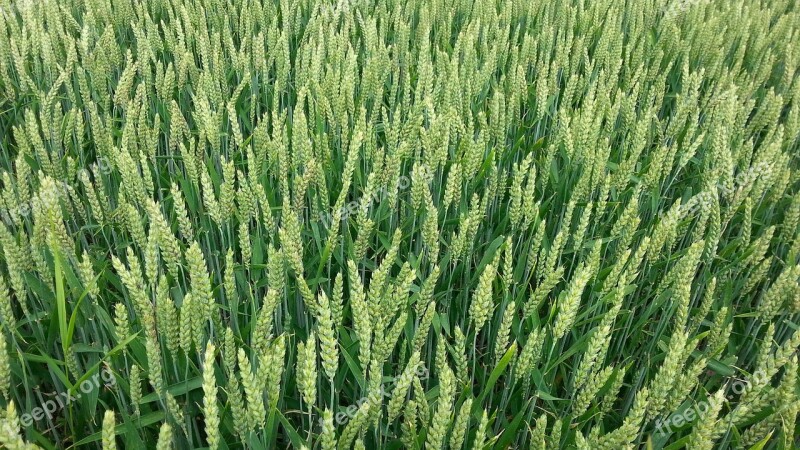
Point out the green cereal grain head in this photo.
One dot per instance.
(210, 408)
(108, 434)
(5, 369)
(164, 437)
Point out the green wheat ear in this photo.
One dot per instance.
(210, 407)
(164, 437)
(109, 440)
(5, 370)
(307, 369)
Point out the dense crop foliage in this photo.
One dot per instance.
(399, 224)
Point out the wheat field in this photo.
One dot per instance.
(389, 224)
